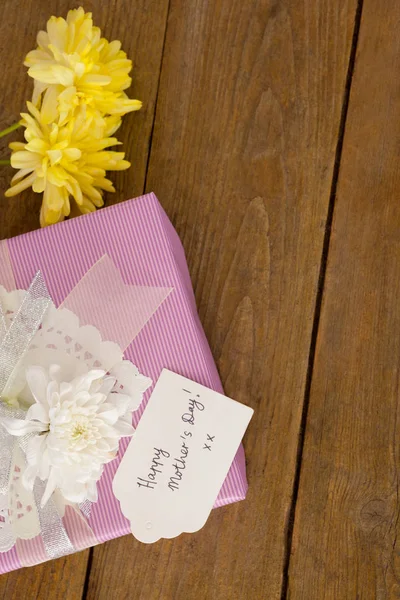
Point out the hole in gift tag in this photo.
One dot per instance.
(149, 525)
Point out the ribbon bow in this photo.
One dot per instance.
(14, 343)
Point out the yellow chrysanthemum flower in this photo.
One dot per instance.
(75, 68)
(65, 162)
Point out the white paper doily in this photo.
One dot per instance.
(60, 340)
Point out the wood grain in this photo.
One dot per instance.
(346, 537)
(141, 27)
(242, 157)
(58, 579)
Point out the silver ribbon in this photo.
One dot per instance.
(54, 536)
(14, 343)
(3, 326)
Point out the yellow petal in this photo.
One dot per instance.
(122, 165)
(16, 146)
(55, 156)
(93, 79)
(72, 153)
(38, 89)
(53, 74)
(74, 189)
(54, 197)
(104, 184)
(42, 39)
(20, 174)
(57, 30)
(49, 108)
(19, 187)
(37, 145)
(25, 160)
(57, 176)
(39, 185)
(125, 106)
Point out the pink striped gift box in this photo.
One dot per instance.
(143, 244)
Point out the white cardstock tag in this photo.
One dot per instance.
(178, 458)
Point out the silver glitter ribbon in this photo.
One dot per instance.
(19, 335)
(54, 536)
(14, 343)
(3, 326)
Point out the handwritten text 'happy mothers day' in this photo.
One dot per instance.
(161, 456)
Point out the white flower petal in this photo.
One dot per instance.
(109, 413)
(19, 427)
(107, 385)
(37, 380)
(38, 412)
(124, 429)
(34, 449)
(84, 382)
(54, 372)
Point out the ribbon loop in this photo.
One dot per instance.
(14, 343)
(27, 321)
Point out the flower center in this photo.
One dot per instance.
(80, 429)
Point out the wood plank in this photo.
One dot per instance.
(140, 26)
(346, 542)
(61, 579)
(242, 159)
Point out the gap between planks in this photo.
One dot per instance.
(319, 297)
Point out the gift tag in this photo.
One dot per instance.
(178, 458)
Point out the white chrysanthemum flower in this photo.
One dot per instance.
(78, 425)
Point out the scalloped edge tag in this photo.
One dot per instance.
(176, 462)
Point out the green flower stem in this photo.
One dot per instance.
(10, 129)
(4, 133)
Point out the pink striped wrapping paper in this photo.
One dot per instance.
(143, 244)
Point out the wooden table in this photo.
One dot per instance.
(271, 134)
